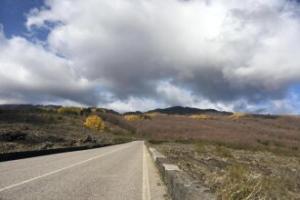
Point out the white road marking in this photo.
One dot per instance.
(146, 184)
(59, 170)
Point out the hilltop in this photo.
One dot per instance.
(180, 110)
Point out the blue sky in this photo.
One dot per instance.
(13, 15)
(132, 55)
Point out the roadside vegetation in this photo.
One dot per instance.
(237, 156)
(237, 173)
(39, 127)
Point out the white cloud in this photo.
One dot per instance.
(213, 53)
(28, 71)
(133, 104)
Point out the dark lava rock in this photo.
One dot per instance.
(54, 139)
(13, 136)
(89, 139)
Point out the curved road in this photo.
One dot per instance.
(118, 172)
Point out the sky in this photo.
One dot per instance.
(127, 55)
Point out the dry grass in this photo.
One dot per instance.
(278, 134)
(237, 173)
(237, 116)
(133, 117)
(153, 114)
(238, 157)
(201, 117)
(136, 117)
(44, 128)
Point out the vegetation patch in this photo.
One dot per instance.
(94, 122)
(153, 114)
(237, 174)
(136, 117)
(37, 128)
(202, 117)
(237, 116)
(70, 110)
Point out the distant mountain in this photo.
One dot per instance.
(179, 110)
(175, 110)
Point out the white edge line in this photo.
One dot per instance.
(146, 184)
(59, 170)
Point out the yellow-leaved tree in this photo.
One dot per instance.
(94, 122)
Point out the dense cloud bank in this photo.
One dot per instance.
(139, 54)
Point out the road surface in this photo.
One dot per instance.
(118, 172)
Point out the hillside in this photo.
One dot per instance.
(27, 127)
(248, 130)
(235, 156)
(179, 110)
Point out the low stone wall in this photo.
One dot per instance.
(180, 185)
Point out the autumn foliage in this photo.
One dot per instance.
(201, 117)
(135, 117)
(70, 110)
(94, 122)
(132, 117)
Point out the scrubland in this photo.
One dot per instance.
(237, 156)
(45, 128)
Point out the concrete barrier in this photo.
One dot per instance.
(180, 185)
(34, 153)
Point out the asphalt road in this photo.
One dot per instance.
(116, 172)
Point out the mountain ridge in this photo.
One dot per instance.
(181, 110)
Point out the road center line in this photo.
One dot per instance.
(59, 170)
(146, 185)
